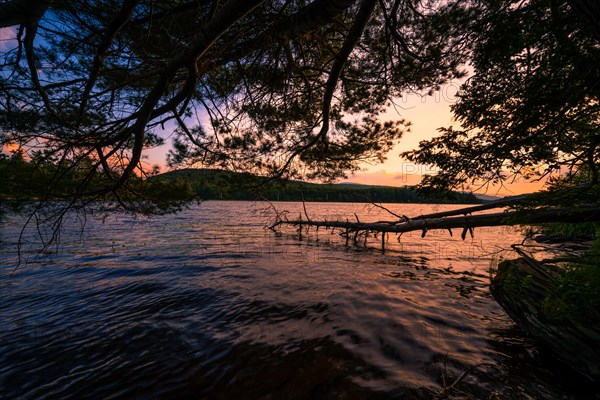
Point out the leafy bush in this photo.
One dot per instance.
(576, 296)
(583, 230)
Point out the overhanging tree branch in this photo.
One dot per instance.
(227, 16)
(113, 28)
(22, 12)
(588, 11)
(360, 22)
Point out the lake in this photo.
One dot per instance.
(208, 303)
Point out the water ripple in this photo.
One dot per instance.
(196, 306)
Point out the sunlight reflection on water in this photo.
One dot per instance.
(209, 304)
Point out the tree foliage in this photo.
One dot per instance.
(296, 88)
(280, 88)
(532, 106)
(23, 182)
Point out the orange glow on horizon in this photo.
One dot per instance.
(389, 178)
(426, 114)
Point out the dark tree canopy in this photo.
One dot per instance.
(532, 106)
(295, 87)
(286, 87)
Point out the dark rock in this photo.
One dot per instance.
(520, 287)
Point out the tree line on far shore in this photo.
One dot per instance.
(22, 179)
(42, 178)
(219, 184)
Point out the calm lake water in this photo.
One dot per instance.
(208, 303)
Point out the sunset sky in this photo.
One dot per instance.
(426, 113)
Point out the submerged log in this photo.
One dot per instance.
(521, 287)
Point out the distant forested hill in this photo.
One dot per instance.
(217, 184)
(21, 179)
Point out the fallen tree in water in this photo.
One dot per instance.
(529, 291)
(449, 220)
(526, 211)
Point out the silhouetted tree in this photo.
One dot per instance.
(532, 106)
(284, 87)
(293, 87)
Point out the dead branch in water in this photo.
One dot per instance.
(500, 203)
(468, 223)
